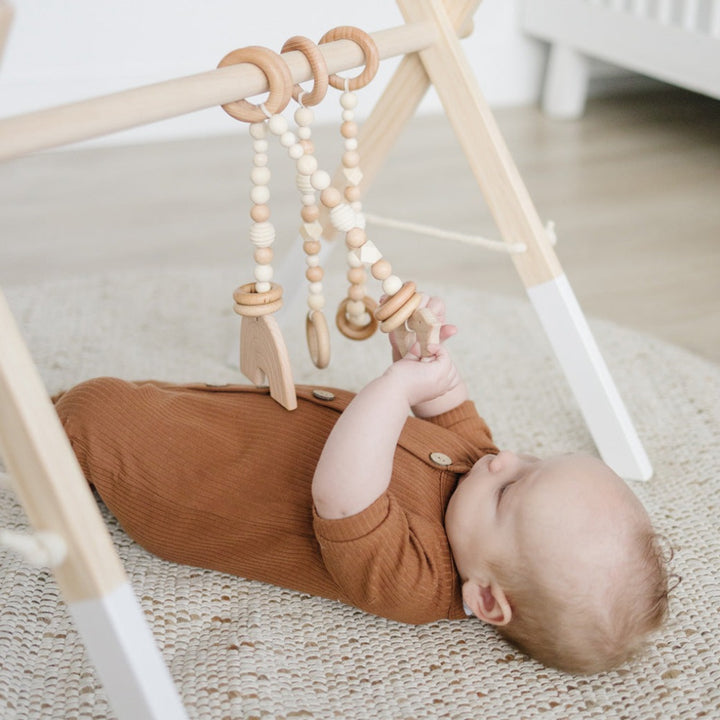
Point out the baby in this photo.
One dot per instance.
(414, 518)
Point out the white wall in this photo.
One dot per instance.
(64, 50)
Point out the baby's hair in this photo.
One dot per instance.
(573, 634)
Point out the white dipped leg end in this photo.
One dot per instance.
(128, 662)
(594, 389)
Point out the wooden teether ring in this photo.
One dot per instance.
(246, 295)
(402, 314)
(257, 310)
(392, 304)
(369, 48)
(279, 81)
(318, 338)
(318, 66)
(356, 332)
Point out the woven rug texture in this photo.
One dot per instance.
(240, 649)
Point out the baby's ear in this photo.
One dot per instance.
(487, 601)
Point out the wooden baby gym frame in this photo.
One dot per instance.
(45, 473)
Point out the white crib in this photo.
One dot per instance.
(676, 41)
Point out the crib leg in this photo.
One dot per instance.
(566, 82)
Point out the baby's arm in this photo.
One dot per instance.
(356, 463)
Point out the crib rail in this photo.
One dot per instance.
(676, 41)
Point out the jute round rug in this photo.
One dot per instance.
(240, 649)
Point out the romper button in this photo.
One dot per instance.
(440, 458)
(323, 395)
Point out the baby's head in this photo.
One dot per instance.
(560, 555)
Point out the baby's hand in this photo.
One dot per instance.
(432, 326)
(427, 379)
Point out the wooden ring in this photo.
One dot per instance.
(318, 66)
(318, 338)
(396, 301)
(369, 48)
(279, 82)
(402, 314)
(257, 310)
(247, 295)
(355, 332)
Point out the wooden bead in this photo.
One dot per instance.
(381, 270)
(311, 247)
(349, 129)
(263, 255)
(355, 238)
(352, 193)
(351, 158)
(393, 303)
(330, 197)
(310, 213)
(314, 274)
(357, 292)
(260, 213)
(356, 275)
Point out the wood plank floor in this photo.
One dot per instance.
(633, 187)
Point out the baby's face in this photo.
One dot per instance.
(564, 512)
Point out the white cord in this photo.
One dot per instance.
(39, 549)
(495, 245)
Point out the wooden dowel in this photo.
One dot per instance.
(43, 129)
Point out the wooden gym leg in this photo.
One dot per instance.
(56, 497)
(539, 269)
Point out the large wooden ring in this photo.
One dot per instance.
(356, 332)
(247, 295)
(257, 310)
(369, 48)
(392, 304)
(318, 66)
(318, 338)
(279, 82)
(396, 320)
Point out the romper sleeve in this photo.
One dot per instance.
(390, 562)
(465, 421)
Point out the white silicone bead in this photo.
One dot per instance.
(312, 260)
(262, 287)
(287, 139)
(320, 179)
(260, 194)
(260, 146)
(351, 143)
(355, 307)
(391, 285)
(343, 217)
(260, 175)
(304, 116)
(307, 165)
(348, 100)
(353, 260)
(262, 234)
(303, 184)
(263, 273)
(296, 151)
(304, 133)
(277, 125)
(258, 130)
(316, 302)
(348, 115)
(260, 159)
(308, 199)
(315, 288)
